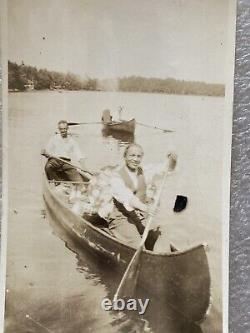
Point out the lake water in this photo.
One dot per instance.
(56, 288)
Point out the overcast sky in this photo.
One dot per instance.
(184, 39)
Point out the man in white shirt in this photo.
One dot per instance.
(63, 146)
(130, 188)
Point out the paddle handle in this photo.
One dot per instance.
(150, 219)
(169, 167)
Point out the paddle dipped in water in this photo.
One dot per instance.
(128, 282)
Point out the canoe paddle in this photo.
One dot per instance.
(128, 282)
(155, 127)
(84, 123)
(82, 172)
(71, 123)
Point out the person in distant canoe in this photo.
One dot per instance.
(130, 187)
(106, 117)
(66, 148)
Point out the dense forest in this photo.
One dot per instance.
(23, 78)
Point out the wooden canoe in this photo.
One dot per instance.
(122, 126)
(121, 136)
(181, 278)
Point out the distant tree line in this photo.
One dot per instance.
(23, 77)
(170, 86)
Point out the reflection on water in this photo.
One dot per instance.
(43, 277)
(159, 316)
(121, 136)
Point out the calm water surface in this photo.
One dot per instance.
(53, 285)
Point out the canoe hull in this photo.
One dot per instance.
(123, 126)
(182, 279)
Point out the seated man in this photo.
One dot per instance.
(129, 186)
(63, 146)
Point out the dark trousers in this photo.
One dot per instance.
(130, 225)
(58, 170)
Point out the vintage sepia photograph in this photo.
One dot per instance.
(119, 128)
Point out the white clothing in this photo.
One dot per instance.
(123, 194)
(64, 147)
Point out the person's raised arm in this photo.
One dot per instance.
(155, 170)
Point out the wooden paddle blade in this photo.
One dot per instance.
(72, 124)
(129, 281)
